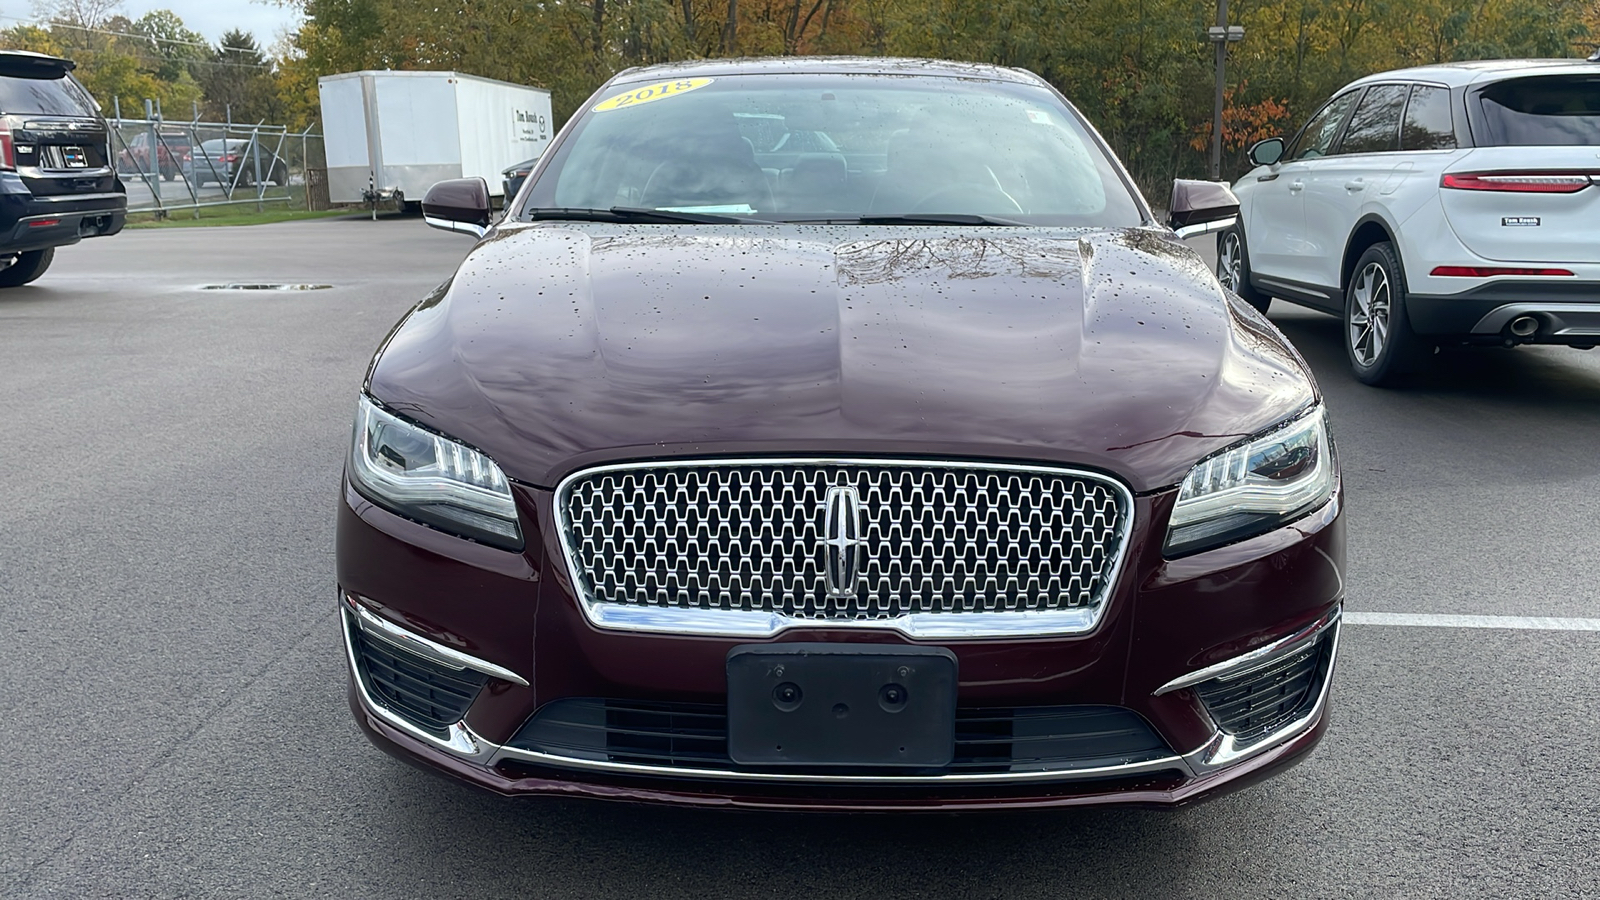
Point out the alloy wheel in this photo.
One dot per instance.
(1370, 303)
(1230, 262)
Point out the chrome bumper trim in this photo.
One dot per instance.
(1165, 763)
(86, 198)
(1256, 659)
(384, 630)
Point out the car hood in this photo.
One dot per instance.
(557, 346)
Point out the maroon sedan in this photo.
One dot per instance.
(926, 470)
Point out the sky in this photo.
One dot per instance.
(213, 17)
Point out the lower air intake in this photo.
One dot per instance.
(422, 692)
(1254, 705)
(695, 736)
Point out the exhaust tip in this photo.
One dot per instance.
(1524, 326)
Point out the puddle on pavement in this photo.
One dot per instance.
(251, 286)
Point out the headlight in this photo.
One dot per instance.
(430, 478)
(1254, 487)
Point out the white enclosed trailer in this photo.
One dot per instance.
(392, 135)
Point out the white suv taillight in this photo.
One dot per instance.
(1518, 182)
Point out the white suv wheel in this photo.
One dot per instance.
(1377, 332)
(1368, 327)
(1233, 269)
(1228, 269)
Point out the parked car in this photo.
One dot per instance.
(1449, 204)
(171, 148)
(57, 183)
(513, 177)
(983, 493)
(232, 161)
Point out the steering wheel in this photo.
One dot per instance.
(972, 199)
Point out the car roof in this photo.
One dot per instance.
(27, 63)
(1460, 74)
(826, 65)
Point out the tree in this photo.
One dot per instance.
(84, 13)
(30, 37)
(172, 43)
(232, 80)
(1138, 69)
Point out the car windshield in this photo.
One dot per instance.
(798, 147)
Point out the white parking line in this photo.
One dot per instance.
(1429, 620)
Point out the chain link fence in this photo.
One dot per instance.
(181, 167)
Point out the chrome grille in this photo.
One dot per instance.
(944, 538)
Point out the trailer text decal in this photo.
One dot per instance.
(651, 93)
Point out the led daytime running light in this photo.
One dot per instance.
(1254, 487)
(430, 478)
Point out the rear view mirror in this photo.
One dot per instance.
(460, 205)
(1202, 207)
(1267, 152)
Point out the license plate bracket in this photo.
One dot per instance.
(857, 705)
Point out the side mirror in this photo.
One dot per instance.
(1267, 152)
(1202, 207)
(460, 205)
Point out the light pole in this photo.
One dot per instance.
(1221, 35)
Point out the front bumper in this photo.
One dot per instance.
(1217, 766)
(1170, 789)
(1172, 631)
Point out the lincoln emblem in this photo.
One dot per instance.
(842, 541)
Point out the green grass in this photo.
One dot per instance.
(242, 214)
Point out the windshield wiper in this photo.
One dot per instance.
(630, 214)
(642, 215)
(936, 219)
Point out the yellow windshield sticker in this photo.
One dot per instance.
(650, 93)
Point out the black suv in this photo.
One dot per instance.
(57, 182)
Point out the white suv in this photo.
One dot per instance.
(1445, 204)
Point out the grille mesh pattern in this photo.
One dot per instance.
(938, 539)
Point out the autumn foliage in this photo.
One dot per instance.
(1243, 124)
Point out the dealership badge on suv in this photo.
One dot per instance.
(1442, 205)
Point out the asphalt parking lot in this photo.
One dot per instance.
(174, 693)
